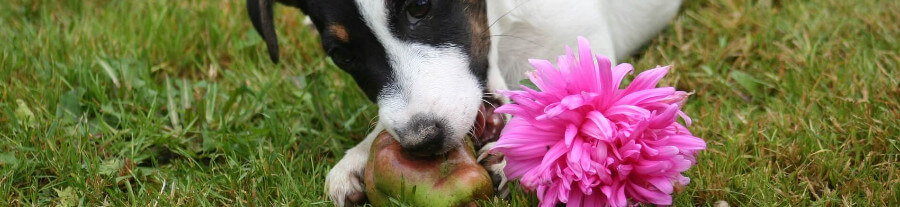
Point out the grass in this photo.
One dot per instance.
(155, 102)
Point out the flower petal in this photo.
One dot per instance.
(647, 79)
(605, 76)
(654, 197)
(684, 142)
(571, 131)
(599, 127)
(662, 184)
(619, 73)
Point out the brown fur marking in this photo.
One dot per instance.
(339, 31)
(481, 38)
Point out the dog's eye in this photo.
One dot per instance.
(341, 55)
(417, 9)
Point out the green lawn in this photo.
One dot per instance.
(158, 102)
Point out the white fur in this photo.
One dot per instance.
(345, 178)
(540, 29)
(433, 81)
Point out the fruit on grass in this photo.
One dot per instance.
(451, 179)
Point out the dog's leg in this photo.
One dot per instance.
(344, 183)
(309, 24)
(495, 81)
(494, 162)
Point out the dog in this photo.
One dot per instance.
(428, 64)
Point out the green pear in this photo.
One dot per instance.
(452, 179)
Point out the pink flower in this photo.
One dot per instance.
(584, 141)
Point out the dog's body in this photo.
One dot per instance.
(540, 29)
(428, 64)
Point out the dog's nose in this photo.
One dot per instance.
(424, 136)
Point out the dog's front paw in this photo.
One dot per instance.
(494, 162)
(344, 185)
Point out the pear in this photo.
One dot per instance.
(451, 179)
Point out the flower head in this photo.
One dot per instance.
(582, 139)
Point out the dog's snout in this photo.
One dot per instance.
(424, 136)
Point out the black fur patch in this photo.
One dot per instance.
(368, 62)
(449, 23)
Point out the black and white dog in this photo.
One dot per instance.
(428, 63)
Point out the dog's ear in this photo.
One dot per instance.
(261, 15)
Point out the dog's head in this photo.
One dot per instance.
(424, 62)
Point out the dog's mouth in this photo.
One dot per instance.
(426, 155)
(488, 124)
